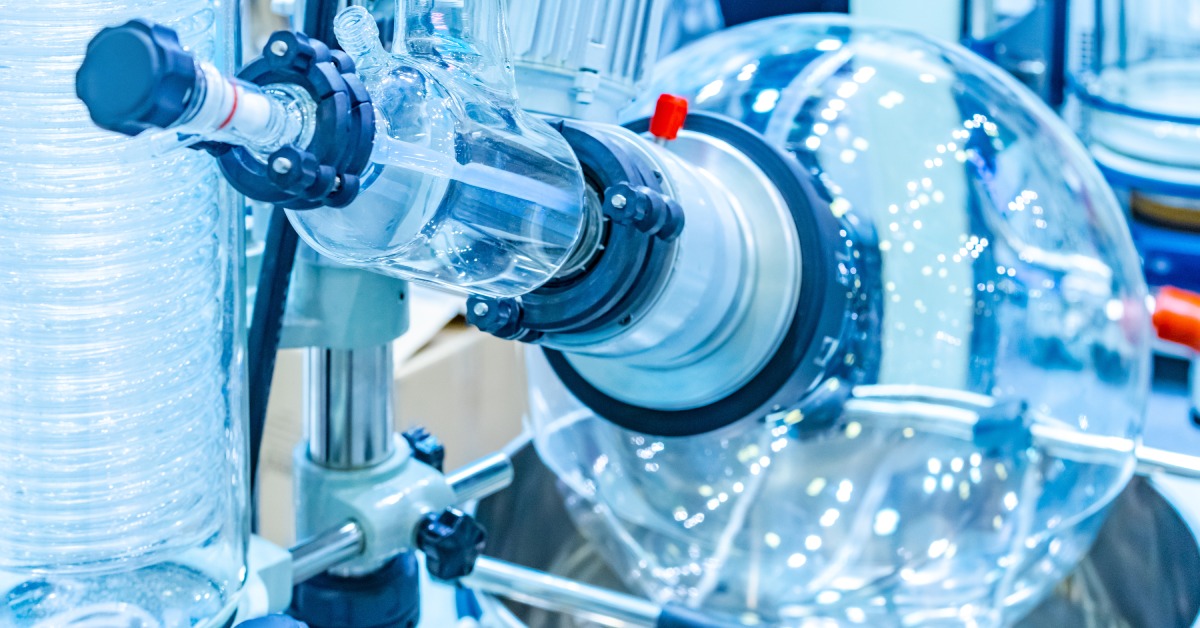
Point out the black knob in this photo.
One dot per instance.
(135, 77)
(426, 447)
(452, 542)
(647, 210)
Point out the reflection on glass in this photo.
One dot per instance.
(958, 458)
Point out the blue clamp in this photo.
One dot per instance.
(327, 171)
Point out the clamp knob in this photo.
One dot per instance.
(645, 209)
(135, 77)
(426, 447)
(452, 542)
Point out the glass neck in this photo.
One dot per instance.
(232, 111)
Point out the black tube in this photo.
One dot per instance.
(318, 20)
(1059, 41)
(274, 281)
(266, 325)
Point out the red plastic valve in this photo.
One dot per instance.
(669, 116)
(1177, 317)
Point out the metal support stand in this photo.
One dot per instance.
(349, 414)
(350, 423)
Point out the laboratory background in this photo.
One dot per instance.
(573, 313)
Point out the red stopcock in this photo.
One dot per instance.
(669, 116)
(1177, 317)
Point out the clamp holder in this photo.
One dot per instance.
(642, 228)
(327, 172)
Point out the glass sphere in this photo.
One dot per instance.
(958, 456)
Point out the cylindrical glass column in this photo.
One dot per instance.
(122, 455)
(1136, 81)
(1135, 100)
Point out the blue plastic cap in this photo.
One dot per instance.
(136, 77)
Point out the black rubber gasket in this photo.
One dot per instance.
(631, 269)
(820, 308)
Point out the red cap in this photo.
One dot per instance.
(669, 117)
(1177, 316)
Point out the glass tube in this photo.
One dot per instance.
(465, 191)
(122, 467)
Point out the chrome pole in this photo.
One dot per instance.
(550, 592)
(348, 412)
(313, 557)
(481, 478)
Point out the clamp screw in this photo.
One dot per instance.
(426, 447)
(481, 309)
(279, 48)
(646, 210)
(452, 542)
(282, 165)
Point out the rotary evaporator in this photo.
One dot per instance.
(861, 338)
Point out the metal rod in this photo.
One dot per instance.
(313, 557)
(481, 478)
(349, 413)
(956, 414)
(1151, 461)
(554, 593)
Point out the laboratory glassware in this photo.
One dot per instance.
(122, 456)
(979, 408)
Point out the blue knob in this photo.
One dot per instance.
(135, 77)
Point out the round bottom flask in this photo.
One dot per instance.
(979, 407)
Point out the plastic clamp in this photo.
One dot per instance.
(426, 447)
(452, 541)
(327, 171)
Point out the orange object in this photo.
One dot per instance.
(669, 116)
(1177, 316)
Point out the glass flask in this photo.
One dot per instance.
(466, 190)
(122, 467)
(980, 408)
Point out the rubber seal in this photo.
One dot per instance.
(622, 282)
(820, 308)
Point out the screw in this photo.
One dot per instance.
(282, 165)
(481, 309)
(619, 201)
(279, 47)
